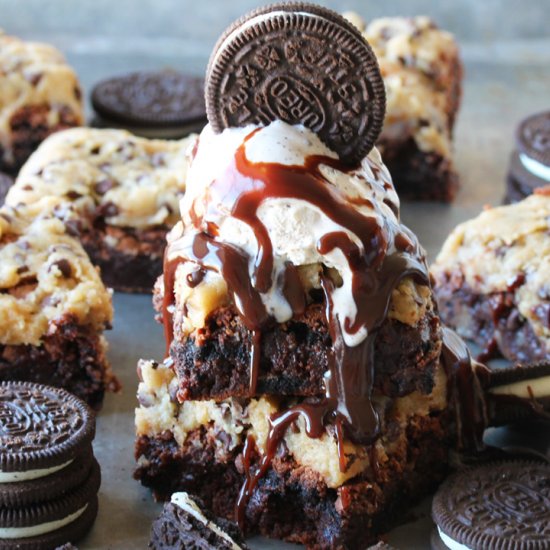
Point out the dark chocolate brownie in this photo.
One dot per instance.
(295, 504)
(71, 357)
(216, 364)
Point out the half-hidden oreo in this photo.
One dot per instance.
(495, 506)
(163, 104)
(302, 64)
(52, 523)
(42, 431)
(5, 183)
(517, 392)
(530, 163)
(186, 523)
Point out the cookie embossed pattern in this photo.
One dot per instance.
(302, 68)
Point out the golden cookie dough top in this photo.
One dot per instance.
(491, 250)
(418, 62)
(33, 74)
(45, 276)
(143, 179)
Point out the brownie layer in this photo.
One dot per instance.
(71, 357)
(490, 320)
(292, 502)
(130, 259)
(214, 362)
(417, 174)
(29, 126)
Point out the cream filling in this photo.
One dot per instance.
(41, 528)
(450, 543)
(12, 477)
(535, 167)
(187, 504)
(537, 388)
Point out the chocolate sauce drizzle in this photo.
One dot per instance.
(388, 252)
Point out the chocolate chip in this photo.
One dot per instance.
(22, 269)
(101, 187)
(73, 195)
(27, 187)
(107, 210)
(35, 78)
(64, 267)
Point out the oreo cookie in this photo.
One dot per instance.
(186, 523)
(530, 162)
(496, 505)
(42, 430)
(302, 64)
(164, 104)
(49, 477)
(52, 523)
(517, 392)
(5, 183)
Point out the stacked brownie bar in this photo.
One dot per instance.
(122, 196)
(53, 305)
(311, 392)
(40, 95)
(422, 73)
(493, 279)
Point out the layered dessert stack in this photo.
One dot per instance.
(310, 391)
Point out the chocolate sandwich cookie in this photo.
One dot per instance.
(497, 505)
(517, 392)
(44, 431)
(302, 64)
(5, 183)
(530, 162)
(186, 524)
(164, 104)
(53, 523)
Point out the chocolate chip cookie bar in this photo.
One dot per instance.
(40, 94)
(422, 72)
(493, 276)
(53, 305)
(122, 193)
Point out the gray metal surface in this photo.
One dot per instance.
(506, 48)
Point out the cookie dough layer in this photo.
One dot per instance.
(493, 276)
(197, 447)
(39, 95)
(122, 194)
(53, 305)
(422, 72)
(212, 346)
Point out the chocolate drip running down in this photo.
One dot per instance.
(381, 255)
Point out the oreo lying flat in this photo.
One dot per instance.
(42, 431)
(52, 523)
(494, 506)
(165, 104)
(530, 163)
(302, 64)
(185, 524)
(5, 183)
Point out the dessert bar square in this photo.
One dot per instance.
(422, 72)
(123, 193)
(53, 306)
(39, 94)
(493, 276)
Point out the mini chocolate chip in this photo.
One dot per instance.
(73, 195)
(158, 159)
(95, 150)
(34, 79)
(27, 187)
(107, 210)
(101, 187)
(73, 227)
(78, 93)
(64, 267)
(22, 269)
